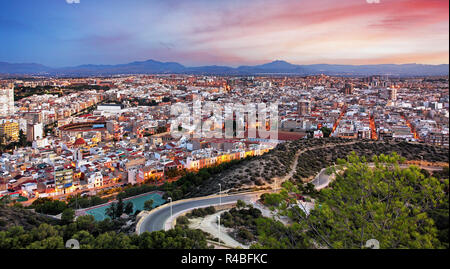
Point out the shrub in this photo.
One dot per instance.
(183, 220)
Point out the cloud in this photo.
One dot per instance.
(236, 32)
(265, 30)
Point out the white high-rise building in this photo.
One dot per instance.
(7, 100)
(393, 94)
(34, 132)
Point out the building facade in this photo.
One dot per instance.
(7, 100)
(9, 131)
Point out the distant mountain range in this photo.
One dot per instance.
(273, 68)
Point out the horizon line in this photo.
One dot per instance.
(223, 65)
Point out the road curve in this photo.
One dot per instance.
(156, 220)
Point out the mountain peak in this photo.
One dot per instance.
(280, 62)
(151, 66)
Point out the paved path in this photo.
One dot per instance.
(322, 179)
(293, 168)
(209, 224)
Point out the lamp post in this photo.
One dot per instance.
(320, 175)
(220, 194)
(218, 219)
(170, 198)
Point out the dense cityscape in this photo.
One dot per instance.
(92, 139)
(345, 145)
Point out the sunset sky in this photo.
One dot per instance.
(225, 32)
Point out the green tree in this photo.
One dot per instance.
(68, 215)
(86, 223)
(385, 202)
(240, 204)
(120, 207)
(85, 239)
(22, 139)
(112, 211)
(326, 131)
(54, 242)
(128, 208)
(148, 205)
(49, 206)
(5, 200)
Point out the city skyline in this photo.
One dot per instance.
(224, 124)
(232, 33)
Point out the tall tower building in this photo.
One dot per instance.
(393, 94)
(7, 100)
(304, 108)
(348, 88)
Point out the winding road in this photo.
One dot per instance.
(157, 218)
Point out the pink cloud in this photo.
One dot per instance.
(402, 20)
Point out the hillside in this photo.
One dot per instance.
(312, 155)
(15, 216)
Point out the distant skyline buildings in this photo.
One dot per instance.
(303, 107)
(6, 100)
(348, 89)
(393, 94)
(232, 33)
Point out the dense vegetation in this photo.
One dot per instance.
(148, 102)
(23, 92)
(116, 209)
(130, 191)
(313, 160)
(18, 216)
(54, 207)
(314, 154)
(49, 206)
(201, 212)
(242, 219)
(98, 235)
(401, 208)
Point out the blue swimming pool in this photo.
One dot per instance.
(99, 213)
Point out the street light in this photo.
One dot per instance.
(220, 195)
(170, 198)
(320, 176)
(218, 219)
